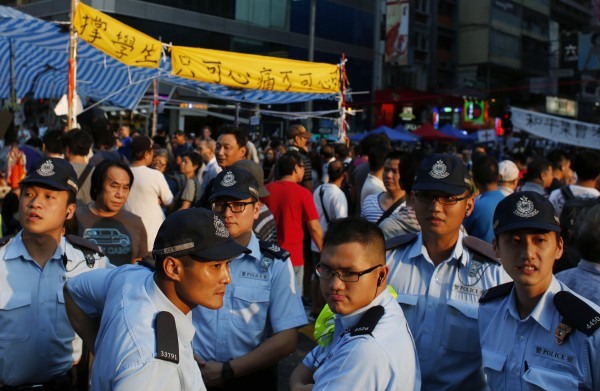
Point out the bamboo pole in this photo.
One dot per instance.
(71, 92)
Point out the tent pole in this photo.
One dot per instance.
(72, 118)
(154, 107)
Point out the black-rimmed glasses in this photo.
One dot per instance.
(345, 275)
(235, 207)
(428, 198)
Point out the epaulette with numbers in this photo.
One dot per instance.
(366, 324)
(577, 313)
(482, 249)
(167, 344)
(273, 250)
(496, 292)
(399, 241)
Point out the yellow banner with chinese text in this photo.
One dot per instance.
(116, 39)
(253, 71)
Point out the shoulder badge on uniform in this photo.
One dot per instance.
(400, 240)
(496, 292)
(167, 345)
(366, 324)
(482, 248)
(90, 251)
(4, 240)
(273, 250)
(577, 313)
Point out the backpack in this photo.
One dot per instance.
(573, 209)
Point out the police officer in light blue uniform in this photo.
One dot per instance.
(139, 317)
(440, 274)
(535, 332)
(38, 346)
(240, 345)
(370, 347)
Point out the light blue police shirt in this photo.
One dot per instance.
(128, 300)
(440, 305)
(386, 359)
(261, 300)
(522, 354)
(37, 342)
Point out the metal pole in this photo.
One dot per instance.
(154, 107)
(237, 114)
(311, 53)
(71, 91)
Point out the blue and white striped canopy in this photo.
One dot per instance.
(35, 55)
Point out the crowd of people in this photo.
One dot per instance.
(190, 262)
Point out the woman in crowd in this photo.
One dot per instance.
(191, 162)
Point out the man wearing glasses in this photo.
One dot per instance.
(371, 347)
(239, 346)
(439, 275)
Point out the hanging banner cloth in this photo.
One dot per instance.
(252, 71)
(581, 134)
(116, 39)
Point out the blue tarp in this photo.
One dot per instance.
(459, 134)
(38, 51)
(393, 134)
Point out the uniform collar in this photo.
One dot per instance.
(16, 249)
(345, 322)
(185, 328)
(212, 162)
(254, 247)
(543, 312)
(419, 249)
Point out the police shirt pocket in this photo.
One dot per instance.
(61, 323)
(540, 378)
(463, 328)
(492, 360)
(250, 307)
(16, 315)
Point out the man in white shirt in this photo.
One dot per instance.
(587, 167)
(150, 190)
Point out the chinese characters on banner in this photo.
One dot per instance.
(557, 129)
(116, 39)
(257, 72)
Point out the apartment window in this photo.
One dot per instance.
(422, 6)
(264, 13)
(504, 45)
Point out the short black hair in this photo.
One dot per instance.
(587, 165)
(195, 158)
(535, 168)
(287, 163)
(78, 141)
(100, 172)
(485, 169)
(587, 235)
(52, 141)
(356, 230)
(557, 157)
(377, 156)
(408, 169)
(335, 170)
(241, 135)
